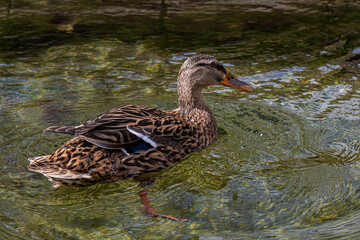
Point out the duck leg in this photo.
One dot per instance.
(149, 210)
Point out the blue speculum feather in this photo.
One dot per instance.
(140, 147)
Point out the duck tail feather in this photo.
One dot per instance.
(61, 129)
(38, 158)
(53, 170)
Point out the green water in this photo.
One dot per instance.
(286, 164)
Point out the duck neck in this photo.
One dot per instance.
(190, 99)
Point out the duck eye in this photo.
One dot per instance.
(212, 64)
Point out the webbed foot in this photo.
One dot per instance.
(150, 211)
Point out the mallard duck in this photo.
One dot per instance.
(132, 140)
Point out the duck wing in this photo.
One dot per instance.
(131, 126)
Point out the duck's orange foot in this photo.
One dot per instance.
(150, 211)
(153, 214)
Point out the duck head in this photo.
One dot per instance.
(203, 70)
(200, 71)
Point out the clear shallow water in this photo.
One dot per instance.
(287, 160)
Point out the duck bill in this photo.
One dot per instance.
(231, 81)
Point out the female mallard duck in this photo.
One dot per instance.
(133, 140)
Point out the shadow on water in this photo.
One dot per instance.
(286, 164)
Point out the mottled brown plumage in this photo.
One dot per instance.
(133, 140)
